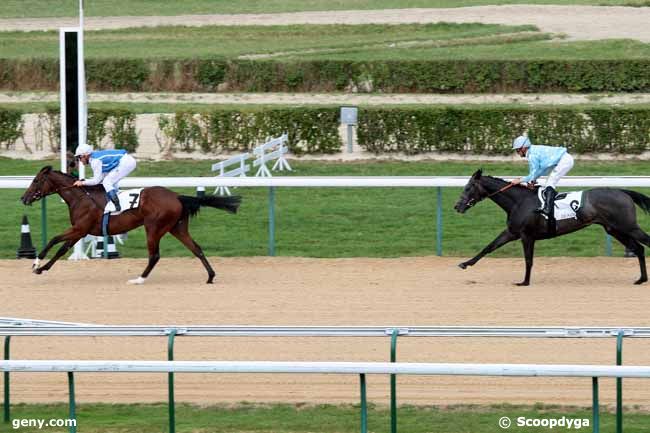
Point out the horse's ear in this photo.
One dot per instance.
(45, 169)
(477, 174)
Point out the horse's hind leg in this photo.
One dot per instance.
(640, 236)
(180, 231)
(153, 245)
(631, 242)
(529, 252)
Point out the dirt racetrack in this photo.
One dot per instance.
(298, 291)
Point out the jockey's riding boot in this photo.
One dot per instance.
(112, 196)
(542, 205)
(549, 203)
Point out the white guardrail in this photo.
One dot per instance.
(13, 182)
(435, 369)
(30, 329)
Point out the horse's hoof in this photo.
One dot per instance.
(137, 281)
(463, 265)
(523, 283)
(37, 271)
(641, 281)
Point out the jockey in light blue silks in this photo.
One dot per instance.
(109, 167)
(541, 161)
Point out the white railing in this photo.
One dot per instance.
(13, 182)
(13, 327)
(410, 368)
(18, 327)
(358, 368)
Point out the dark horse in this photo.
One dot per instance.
(612, 208)
(161, 211)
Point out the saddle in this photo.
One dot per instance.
(129, 199)
(567, 204)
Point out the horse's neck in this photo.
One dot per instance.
(71, 195)
(504, 199)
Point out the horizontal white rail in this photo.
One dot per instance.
(19, 182)
(51, 329)
(327, 368)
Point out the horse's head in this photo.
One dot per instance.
(472, 194)
(40, 186)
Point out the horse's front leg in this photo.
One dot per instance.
(55, 240)
(500, 241)
(64, 249)
(529, 250)
(71, 234)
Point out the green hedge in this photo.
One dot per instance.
(490, 131)
(487, 131)
(447, 76)
(114, 125)
(11, 127)
(310, 130)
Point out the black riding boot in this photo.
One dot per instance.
(549, 202)
(112, 196)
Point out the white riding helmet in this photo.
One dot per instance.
(83, 149)
(521, 141)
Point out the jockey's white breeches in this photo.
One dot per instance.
(560, 170)
(127, 165)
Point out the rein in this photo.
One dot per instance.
(505, 188)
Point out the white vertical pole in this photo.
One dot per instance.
(62, 89)
(83, 109)
(79, 253)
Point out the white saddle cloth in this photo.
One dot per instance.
(566, 207)
(129, 199)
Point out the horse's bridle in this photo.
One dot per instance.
(38, 194)
(471, 202)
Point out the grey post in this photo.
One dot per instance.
(349, 118)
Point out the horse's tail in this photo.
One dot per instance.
(642, 200)
(191, 205)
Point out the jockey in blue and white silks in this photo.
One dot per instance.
(541, 161)
(109, 167)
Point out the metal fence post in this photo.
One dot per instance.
(43, 222)
(439, 224)
(619, 383)
(364, 404)
(7, 403)
(73, 408)
(608, 245)
(170, 382)
(271, 221)
(595, 404)
(393, 382)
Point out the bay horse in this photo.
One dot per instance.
(611, 208)
(161, 211)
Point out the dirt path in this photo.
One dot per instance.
(577, 22)
(297, 291)
(340, 98)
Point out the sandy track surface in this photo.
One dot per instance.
(340, 98)
(298, 291)
(577, 22)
